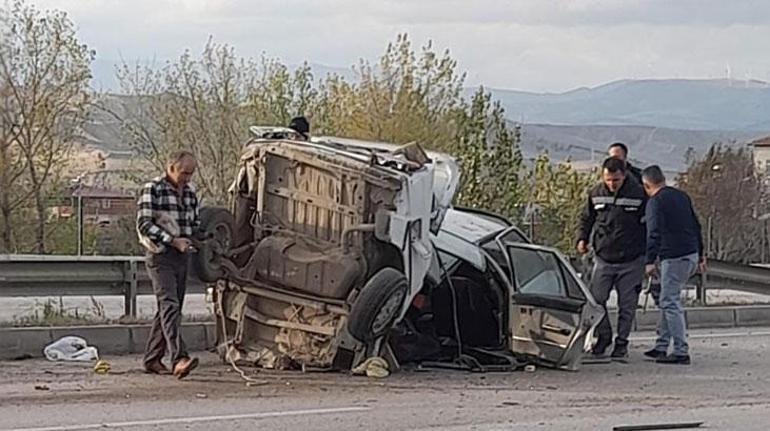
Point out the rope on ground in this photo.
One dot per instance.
(250, 381)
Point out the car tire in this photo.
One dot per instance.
(217, 229)
(378, 305)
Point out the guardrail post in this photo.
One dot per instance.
(700, 289)
(130, 288)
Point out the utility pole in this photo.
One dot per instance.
(80, 222)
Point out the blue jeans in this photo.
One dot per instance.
(674, 274)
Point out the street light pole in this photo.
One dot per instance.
(78, 183)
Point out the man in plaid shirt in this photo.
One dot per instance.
(168, 218)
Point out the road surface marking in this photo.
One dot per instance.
(715, 335)
(191, 420)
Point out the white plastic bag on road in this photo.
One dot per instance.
(70, 349)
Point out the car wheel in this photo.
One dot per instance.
(217, 228)
(378, 304)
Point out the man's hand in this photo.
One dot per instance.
(650, 270)
(582, 247)
(182, 244)
(702, 267)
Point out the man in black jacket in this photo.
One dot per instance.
(613, 222)
(619, 150)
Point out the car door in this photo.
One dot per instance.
(552, 314)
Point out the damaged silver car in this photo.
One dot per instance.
(336, 250)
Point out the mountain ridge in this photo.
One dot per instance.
(688, 104)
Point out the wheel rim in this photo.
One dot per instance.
(387, 312)
(218, 245)
(222, 236)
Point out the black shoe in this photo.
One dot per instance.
(600, 348)
(599, 353)
(619, 354)
(655, 354)
(674, 359)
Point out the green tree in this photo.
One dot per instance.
(491, 157)
(44, 74)
(557, 195)
(406, 97)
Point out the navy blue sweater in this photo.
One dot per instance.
(673, 229)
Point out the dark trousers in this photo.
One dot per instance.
(168, 273)
(626, 278)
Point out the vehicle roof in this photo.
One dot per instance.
(461, 233)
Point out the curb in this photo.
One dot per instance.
(20, 343)
(705, 317)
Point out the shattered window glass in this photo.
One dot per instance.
(537, 272)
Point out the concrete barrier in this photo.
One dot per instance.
(753, 315)
(717, 317)
(18, 343)
(648, 320)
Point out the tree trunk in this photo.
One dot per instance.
(5, 204)
(40, 208)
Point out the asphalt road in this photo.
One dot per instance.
(727, 387)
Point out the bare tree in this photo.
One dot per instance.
(45, 71)
(206, 104)
(726, 191)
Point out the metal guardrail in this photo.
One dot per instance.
(719, 275)
(746, 278)
(49, 275)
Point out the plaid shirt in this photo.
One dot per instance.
(160, 196)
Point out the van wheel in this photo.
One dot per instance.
(378, 305)
(217, 229)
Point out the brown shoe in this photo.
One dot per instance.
(156, 367)
(184, 366)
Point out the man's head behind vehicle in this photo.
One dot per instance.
(301, 126)
(613, 173)
(618, 150)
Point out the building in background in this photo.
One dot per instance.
(100, 206)
(760, 149)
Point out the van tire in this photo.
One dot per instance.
(216, 226)
(378, 305)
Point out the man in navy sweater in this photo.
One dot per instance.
(673, 239)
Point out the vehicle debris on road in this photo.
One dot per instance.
(373, 367)
(656, 427)
(71, 348)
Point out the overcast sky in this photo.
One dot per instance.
(537, 45)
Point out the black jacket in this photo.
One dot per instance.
(634, 171)
(614, 223)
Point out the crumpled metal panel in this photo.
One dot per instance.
(310, 199)
(263, 333)
(292, 263)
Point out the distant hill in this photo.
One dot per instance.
(648, 145)
(671, 103)
(104, 79)
(658, 120)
